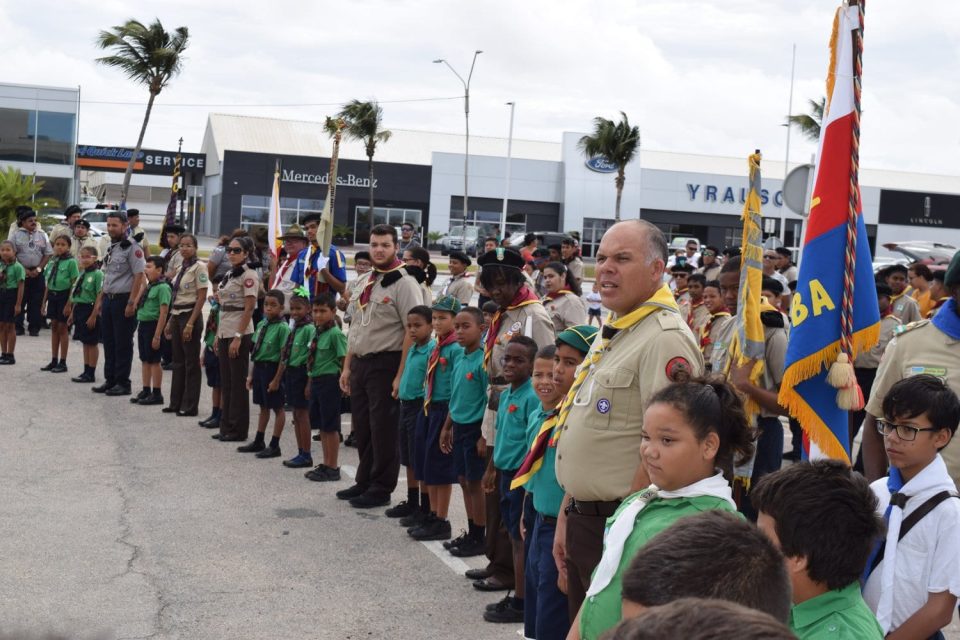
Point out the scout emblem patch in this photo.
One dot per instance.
(139, 253)
(248, 282)
(603, 406)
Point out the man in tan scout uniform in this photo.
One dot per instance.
(929, 346)
(645, 346)
(460, 286)
(376, 352)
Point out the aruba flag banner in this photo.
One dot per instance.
(834, 312)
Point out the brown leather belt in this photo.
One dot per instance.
(183, 307)
(597, 508)
(232, 309)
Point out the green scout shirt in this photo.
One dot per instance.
(300, 349)
(515, 409)
(12, 275)
(469, 394)
(157, 295)
(91, 281)
(443, 374)
(841, 614)
(67, 272)
(547, 492)
(211, 335)
(415, 371)
(331, 349)
(603, 611)
(273, 341)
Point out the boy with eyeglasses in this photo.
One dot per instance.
(912, 579)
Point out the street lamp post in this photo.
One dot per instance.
(506, 186)
(466, 115)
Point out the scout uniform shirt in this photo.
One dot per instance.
(121, 262)
(233, 292)
(905, 308)
(774, 356)
(31, 247)
(268, 340)
(157, 295)
(575, 267)
(469, 397)
(380, 324)
(460, 288)
(840, 613)
(11, 275)
(871, 359)
(531, 320)
(415, 371)
(84, 242)
(87, 287)
(919, 348)
(443, 374)
(187, 282)
(699, 317)
(60, 273)
(516, 407)
(598, 453)
(712, 332)
(329, 348)
(710, 273)
(173, 261)
(547, 492)
(566, 310)
(299, 340)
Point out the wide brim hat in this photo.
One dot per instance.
(501, 257)
(294, 232)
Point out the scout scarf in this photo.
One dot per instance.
(312, 351)
(432, 363)
(183, 271)
(78, 287)
(394, 267)
(288, 345)
(705, 340)
(615, 536)
(523, 297)
(947, 319)
(661, 300)
(282, 271)
(261, 336)
(146, 294)
(693, 307)
(534, 459)
(558, 294)
(3, 273)
(53, 270)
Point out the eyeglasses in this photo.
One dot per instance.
(904, 432)
(770, 257)
(234, 250)
(709, 254)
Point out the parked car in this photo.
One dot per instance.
(459, 240)
(544, 239)
(935, 255)
(88, 201)
(97, 218)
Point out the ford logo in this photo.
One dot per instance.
(601, 165)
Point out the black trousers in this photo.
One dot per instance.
(374, 413)
(185, 382)
(33, 289)
(584, 548)
(234, 398)
(117, 331)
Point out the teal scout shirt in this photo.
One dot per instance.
(603, 611)
(331, 349)
(515, 408)
(443, 374)
(211, 331)
(12, 275)
(91, 281)
(547, 492)
(157, 295)
(273, 340)
(300, 349)
(415, 371)
(469, 399)
(841, 614)
(66, 272)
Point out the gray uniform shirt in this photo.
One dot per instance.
(31, 247)
(120, 265)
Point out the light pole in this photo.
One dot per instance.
(466, 115)
(786, 163)
(506, 186)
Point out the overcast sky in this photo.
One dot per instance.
(697, 77)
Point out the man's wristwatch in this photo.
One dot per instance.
(238, 335)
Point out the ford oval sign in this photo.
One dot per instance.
(601, 165)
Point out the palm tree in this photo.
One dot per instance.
(363, 121)
(809, 123)
(147, 55)
(15, 190)
(615, 142)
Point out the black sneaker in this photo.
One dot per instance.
(83, 378)
(352, 492)
(505, 612)
(472, 547)
(350, 441)
(323, 473)
(269, 452)
(8, 359)
(415, 519)
(401, 510)
(143, 395)
(154, 398)
(254, 447)
(506, 602)
(438, 529)
(456, 542)
(60, 367)
(49, 366)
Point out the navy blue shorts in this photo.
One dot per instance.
(211, 366)
(263, 374)
(81, 313)
(56, 301)
(438, 467)
(8, 301)
(296, 381)
(407, 429)
(325, 403)
(593, 312)
(511, 504)
(145, 332)
(468, 464)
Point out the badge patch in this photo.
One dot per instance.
(89, 279)
(603, 406)
(248, 282)
(515, 327)
(938, 372)
(678, 369)
(139, 253)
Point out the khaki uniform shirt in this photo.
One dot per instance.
(233, 293)
(871, 359)
(698, 318)
(61, 229)
(915, 349)
(774, 355)
(568, 310)
(710, 273)
(381, 324)
(459, 287)
(683, 301)
(194, 279)
(426, 294)
(906, 308)
(82, 243)
(120, 265)
(599, 450)
(717, 330)
(575, 267)
(173, 262)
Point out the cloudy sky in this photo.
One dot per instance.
(697, 77)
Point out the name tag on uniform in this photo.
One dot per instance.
(938, 372)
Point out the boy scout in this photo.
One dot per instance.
(377, 349)
(459, 286)
(71, 216)
(904, 307)
(928, 346)
(645, 346)
(189, 285)
(82, 238)
(33, 251)
(123, 283)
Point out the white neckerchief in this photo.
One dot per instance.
(930, 481)
(616, 535)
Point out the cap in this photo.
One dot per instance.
(686, 267)
(133, 212)
(460, 256)
(313, 217)
(72, 209)
(174, 228)
(294, 232)
(24, 212)
(82, 223)
(952, 276)
(446, 303)
(501, 257)
(580, 337)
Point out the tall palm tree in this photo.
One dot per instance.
(363, 122)
(148, 55)
(809, 123)
(615, 142)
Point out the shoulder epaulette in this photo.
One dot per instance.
(125, 244)
(905, 328)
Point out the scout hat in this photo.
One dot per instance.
(294, 232)
(24, 213)
(174, 228)
(82, 223)
(501, 257)
(460, 256)
(447, 303)
(579, 337)
(952, 276)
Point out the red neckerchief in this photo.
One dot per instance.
(290, 261)
(705, 332)
(679, 292)
(372, 280)
(524, 297)
(558, 294)
(693, 307)
(432, 363)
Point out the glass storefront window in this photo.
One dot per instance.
(593, 230)
(382, 215)
(255, 210)
(16, 134)
(55, 137)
